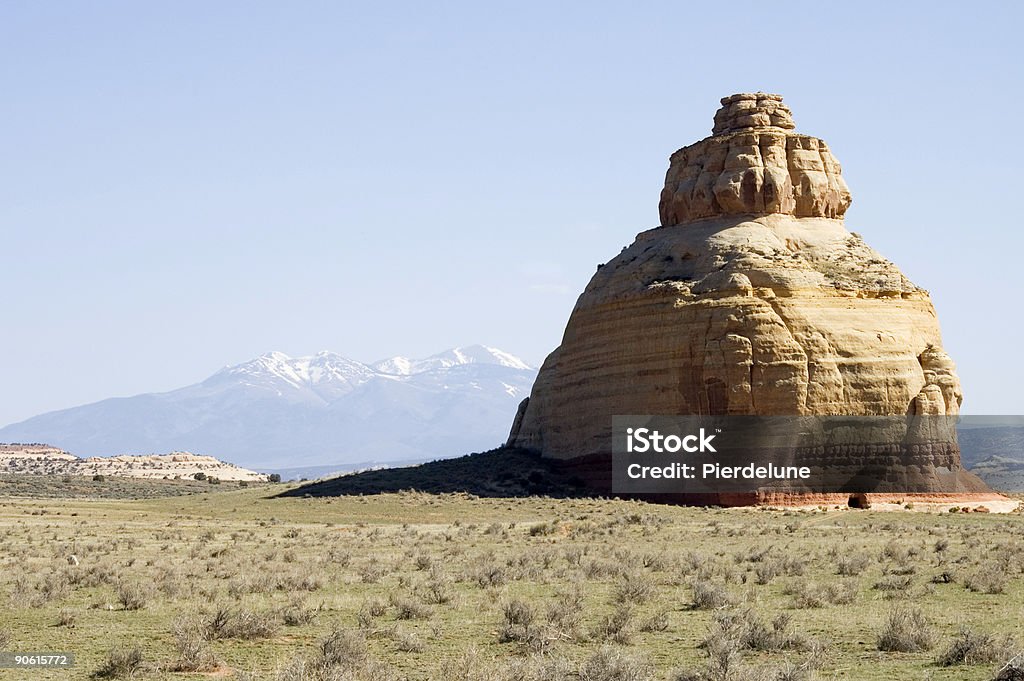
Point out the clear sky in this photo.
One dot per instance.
(185, 185)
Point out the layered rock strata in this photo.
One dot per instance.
(751, 298)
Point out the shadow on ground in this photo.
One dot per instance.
(503, 472)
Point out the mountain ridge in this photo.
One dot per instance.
(276, 410)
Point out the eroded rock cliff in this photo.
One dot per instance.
(750, 298)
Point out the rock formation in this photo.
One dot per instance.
(40, 459)
(753, 164)
(750, 298)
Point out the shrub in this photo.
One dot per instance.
(487, 575)
(898, 584)
(771, 567)
(1011, 671)
(371, 573)
(370, 610)
(811, 595)
(193, 652)
(656, 622)
(807, 595)
(248, 625)
(617, 625)
(774, 637)
(544, 529)
(972, 648)
(297, 613)
(121, 663)
(466, 667)
(633, 588)
(274, 477)
(852, 565)
(342, 647)
(243, 624)
(533, 668)
(200, 476)
(566, 614)
(750, 632)
(407, 642)
(709, 596)
(794, 566)
(600, 569)
(438, 589)
(519, 617)
(53, 587)
(132, 596)
(474, 666)
(988, 580)
(842, 593)
(611, 664)
(906, 631)
(767, 571)
(342, 654)
(724, 661)
(408, 609)
(66, 618)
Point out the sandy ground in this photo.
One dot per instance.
(997, 504)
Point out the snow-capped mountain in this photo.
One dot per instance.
(277, 410)
(474, 354)
(321, 378)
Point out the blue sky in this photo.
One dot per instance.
(187, 185)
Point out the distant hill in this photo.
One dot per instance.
(980, 441)
(1001, 473)
(39, 459)
(277, 412)
(994, 452)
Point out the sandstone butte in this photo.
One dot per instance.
(750, 298)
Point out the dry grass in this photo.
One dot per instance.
(422, 587)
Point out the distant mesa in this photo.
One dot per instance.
(40, 459)
(33, 452)
(751, 298)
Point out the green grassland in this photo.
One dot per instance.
(239, 583)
